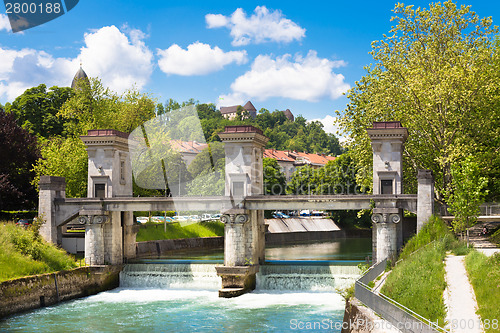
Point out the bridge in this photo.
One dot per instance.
(107, 213)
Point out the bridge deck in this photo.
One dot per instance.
(263, 202)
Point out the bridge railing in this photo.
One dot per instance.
(486, 209)
(395, 313)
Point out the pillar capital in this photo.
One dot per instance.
(234, 218)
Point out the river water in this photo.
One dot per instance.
(293, 295)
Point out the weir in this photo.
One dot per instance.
(306, 276)
(107, 213)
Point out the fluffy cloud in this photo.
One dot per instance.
(197, 59)
(4, 23)
(309, 79)
(108, 53)
(261, 27)
(330, 125)
(118, 61)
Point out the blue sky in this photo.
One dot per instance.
(278, 54)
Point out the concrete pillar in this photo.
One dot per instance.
(110, 176)
(50, 188)
(130, 231)
(94, 238)
(387, 141)
(387, 233)
(425, 199)
(244, 242)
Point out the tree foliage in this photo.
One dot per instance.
(90, 106)
(466, 193)
(19, 151)
(37, 109)
(274, 179)
(437, 72)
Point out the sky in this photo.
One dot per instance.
(301, 56)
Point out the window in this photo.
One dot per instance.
(238, 190)
(386, 186)
(122, 172)
(99, 190)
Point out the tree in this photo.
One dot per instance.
(91, 106)
(19, 152)
(209, 159)
(303, 181)
(274, 179)
(37, 109)
(64, 157)
(466, 193)
(437, 72)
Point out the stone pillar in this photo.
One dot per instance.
(425, 200)
(244, 241)
(387, 233)
(50, 188)
(95, 251)
(387, 141)
(130, 231)
(110, 176)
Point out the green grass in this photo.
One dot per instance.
(155, 231)
(23, 253)
(484, 274)
(418, 282)
(421, 274)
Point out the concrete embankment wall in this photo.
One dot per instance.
(37, 291)
(295, 230)
(158, 247)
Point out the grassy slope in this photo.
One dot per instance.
(418, 281)
(22, 254)
(154, 231)
(484, 274)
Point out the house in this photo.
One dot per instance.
(289, 161)
(230, 112)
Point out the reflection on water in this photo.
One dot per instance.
(340, 249)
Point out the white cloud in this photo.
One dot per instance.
(309, 79)
(330, 125)
(108, 54)
(197, 59)
(118, 61)
(4, 23)
(261, 27)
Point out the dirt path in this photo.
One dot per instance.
(459, 297)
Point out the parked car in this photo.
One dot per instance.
(24, 223)
(142, 219)
(195, 218)
(216, 217)
(305, 212)
(206, 217)
(280, 215)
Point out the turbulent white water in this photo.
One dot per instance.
(270, 277)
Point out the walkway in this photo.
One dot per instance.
(459, 297)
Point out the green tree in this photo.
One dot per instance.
(19, 151)
(437, 72)
(274, 179)
(64, 157)
(91, 106)
(209, 159)
(37, 109)
(466, 193)
(303, 181)
(207, 184)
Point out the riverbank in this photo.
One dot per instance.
(33, 292)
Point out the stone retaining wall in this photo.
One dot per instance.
(37, 291)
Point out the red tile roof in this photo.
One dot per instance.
(188, 146)
(280, 155)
